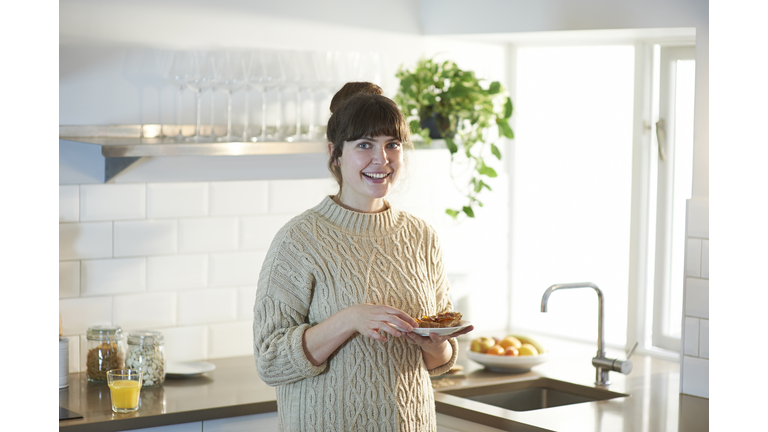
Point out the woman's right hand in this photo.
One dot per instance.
(369, 320)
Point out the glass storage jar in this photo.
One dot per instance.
(146, 352)
(105, 351)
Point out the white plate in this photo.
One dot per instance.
(187, 369)
(439, 331)
(501, 363)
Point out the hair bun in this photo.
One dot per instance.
(352, 88)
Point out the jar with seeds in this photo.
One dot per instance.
(146, 353)
(105, 351)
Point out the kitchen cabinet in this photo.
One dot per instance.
(265, 422)
(446, 423)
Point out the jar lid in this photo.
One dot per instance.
(145, 337)
(105, 332)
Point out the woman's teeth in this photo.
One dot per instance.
(376, 175)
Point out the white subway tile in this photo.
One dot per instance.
(69, 279)
(295, 196)
(207, 306)
(102, 202)
(691, 337)
(695, 376)
(85, 240)
(74, 353)
(246, 296)
(697, 218)
(693, 257)
(69, 203)
(238, 198)
(177, 272)
(705, 259)
(230, 339)
(235, 268)
(144, 311)
(113, 276)
(208, 235)
(146, 237)
(257, 232)
(80, 313)
(697, 297)
(177, 200)
(704, 339)
(185, 343)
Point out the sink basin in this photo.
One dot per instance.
(534, 394)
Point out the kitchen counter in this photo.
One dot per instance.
(234, 389)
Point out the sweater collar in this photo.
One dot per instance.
(375, 224)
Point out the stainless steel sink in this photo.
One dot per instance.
(534, 394)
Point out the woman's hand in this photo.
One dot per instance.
(369, 320)
(435, 348)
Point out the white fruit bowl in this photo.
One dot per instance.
(502, 363)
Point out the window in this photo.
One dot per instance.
(600, 170)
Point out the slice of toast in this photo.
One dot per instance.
(446, 319)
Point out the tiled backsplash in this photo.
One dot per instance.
(181, 258)
(694, 368)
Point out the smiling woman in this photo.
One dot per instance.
(341, 282)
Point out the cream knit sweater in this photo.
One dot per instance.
(327, 259)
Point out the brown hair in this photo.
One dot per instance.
(359, 110)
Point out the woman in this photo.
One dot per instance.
(341, 276)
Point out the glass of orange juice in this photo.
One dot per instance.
(124, 387)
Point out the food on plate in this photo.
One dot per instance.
(528, 349)
(443, 320)
(481, 344)
(512, 345)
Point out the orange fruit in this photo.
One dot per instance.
(510, 341)
(511, 351)
(495, 350)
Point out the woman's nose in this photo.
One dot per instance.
(380, 157)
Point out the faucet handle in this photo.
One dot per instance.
(632, 351)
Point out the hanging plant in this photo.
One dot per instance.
(442, 101)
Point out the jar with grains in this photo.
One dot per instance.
(105, 352)
(146, 353)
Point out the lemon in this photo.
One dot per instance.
(527, 350)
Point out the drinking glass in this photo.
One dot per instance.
(177, 70)
(124, 389)
(199, 79)
(266, 73)
(301, 72)
(254, 78)
(229, 76)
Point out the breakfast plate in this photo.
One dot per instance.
(187, 369)
(502, 363)
(442, 331)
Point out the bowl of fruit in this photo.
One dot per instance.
(514, 353)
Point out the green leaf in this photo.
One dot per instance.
(504, 128)
(495, 151)
(459, 91)
(508, 108)
(415, 126)
(451, 213)
(494, 88)
(468, 211)
(487, 171)
(484, 185)
(451, 145)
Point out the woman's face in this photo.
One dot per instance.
(369, 169)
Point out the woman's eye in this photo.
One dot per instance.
(394, 145)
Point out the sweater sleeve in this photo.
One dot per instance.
(283, 297)
(442, 300)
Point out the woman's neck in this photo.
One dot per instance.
(374, 206)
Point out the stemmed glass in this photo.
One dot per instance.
(254, 78)
(200, 78)
(265, 73)
(293, 83)
(176, 74)
(229, 76)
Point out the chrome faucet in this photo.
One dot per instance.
(602, 363)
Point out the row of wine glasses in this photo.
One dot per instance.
(284, 94)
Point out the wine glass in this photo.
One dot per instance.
(292, 84)
(176, 74)
(229, 76)
(254, 78)
(265, 73)
(200, 78)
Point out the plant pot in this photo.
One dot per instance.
(438, 127)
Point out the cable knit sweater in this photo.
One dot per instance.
(325, 260)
